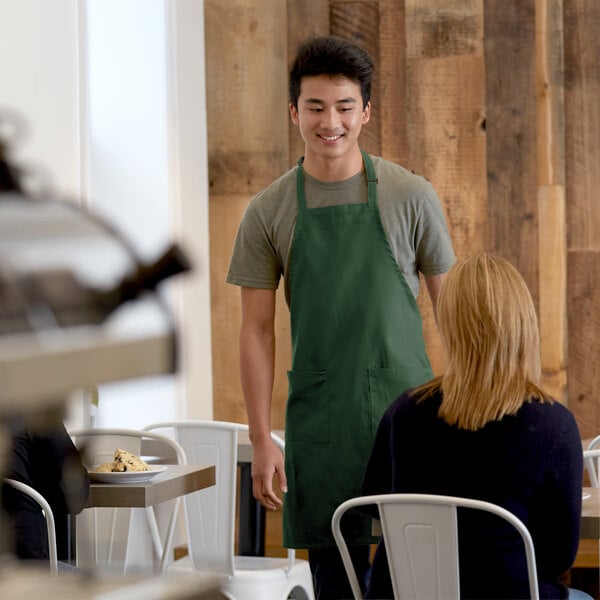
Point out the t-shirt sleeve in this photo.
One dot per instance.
(254, 261)
(434, 251)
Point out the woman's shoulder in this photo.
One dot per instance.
(415, 401)
(549, 407)
(549, 416)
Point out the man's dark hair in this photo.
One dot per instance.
(333, 56)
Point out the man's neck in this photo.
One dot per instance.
(334, 169)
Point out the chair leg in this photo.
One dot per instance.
(169, 536)
(153, 526)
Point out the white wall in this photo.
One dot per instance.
(189, 169)
(113, 92)
(39, 82)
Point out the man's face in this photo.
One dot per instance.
(330, 116)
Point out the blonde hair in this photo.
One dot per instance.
(489, 326)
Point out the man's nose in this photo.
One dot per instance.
(330, 119)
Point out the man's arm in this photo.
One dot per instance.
(434, 283)
(257, 360)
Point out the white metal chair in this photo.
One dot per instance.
(97, 446)
(594, 443)
(421, 538)
(210, 516)
(48, 515)
(591, 461)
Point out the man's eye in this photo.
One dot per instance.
(345, 109)
(316, 109)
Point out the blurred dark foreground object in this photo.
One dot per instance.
(78, 306)
(57, 297)
(50, 255)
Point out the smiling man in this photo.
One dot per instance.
(349, 233)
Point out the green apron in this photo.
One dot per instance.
(357, 344)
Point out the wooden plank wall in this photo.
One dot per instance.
(582, 156)
(470, 94)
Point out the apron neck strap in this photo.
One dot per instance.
(300, 195)
(371, 178)
(371, 181)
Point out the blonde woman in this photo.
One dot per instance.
(485, 429)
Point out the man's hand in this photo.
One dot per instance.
(266, 463)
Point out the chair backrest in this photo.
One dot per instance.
(210, 513)
(48, 514)
(591, 461)
(594, 443)
(421, 538)
(98, 445)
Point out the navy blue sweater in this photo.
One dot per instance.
(530, 463)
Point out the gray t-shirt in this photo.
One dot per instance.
(410, 212)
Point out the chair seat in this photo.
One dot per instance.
(258, 578)
(251, 563)
(269, 567)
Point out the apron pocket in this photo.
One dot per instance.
(307, 412)
(385, 385)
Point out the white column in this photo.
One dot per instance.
(39, 85)
(146, 172)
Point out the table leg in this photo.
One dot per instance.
(251, 532)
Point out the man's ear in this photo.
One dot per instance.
(293, 114)
(366, 113)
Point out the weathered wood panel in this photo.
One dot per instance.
(225, 214)
(510, 56)
(552, 248)
(550, 92)
(446, 138)
(246, 71)
(582, 91)
(582, 143)
(247, 94)
(584, 348)
(553, 290)
(391, 77)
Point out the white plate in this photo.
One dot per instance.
(126, 476)
(586, 496)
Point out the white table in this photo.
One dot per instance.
(173, 483)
